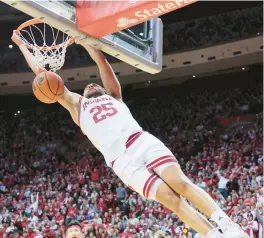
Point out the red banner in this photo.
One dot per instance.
(101, 18)
(228, 121)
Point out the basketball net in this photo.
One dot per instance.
(46, 44)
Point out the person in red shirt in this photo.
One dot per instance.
(30, 233)
(72, 211)
(107, 218)
(260, 167)
(47, 232)
(81, 177)
(109, 197)
(253, 225)
(246, 228)
(102, 205)
(59, 218)
(229, 205)
(248, 200)
(95, 177)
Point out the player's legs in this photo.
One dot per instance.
(182, 209)
(160, 160)
(178, 181)
(139, 168)
(136, 176)
(151, 186)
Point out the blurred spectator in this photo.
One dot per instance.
(225, 27)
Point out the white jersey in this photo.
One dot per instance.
(108, 124)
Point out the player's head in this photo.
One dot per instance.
(93, 90)
(74, 230)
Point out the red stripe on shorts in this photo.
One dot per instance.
(129, 142)
(146, 184)
(162, 162)
(158, 160)
(132, 139)
(150, 181)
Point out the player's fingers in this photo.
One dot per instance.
(16, 32)
(76, 41)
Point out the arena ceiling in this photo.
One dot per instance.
(10, 18)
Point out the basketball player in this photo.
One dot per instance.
(138, 158)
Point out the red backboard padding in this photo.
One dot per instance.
(101, 18)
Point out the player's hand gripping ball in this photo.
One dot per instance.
(48, 87)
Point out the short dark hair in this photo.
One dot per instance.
(74, 223)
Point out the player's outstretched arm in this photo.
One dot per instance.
(70, 101)
(28, 56)
(109, 79)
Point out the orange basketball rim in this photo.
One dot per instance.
(33, 22)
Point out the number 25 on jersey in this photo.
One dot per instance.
(103, 111)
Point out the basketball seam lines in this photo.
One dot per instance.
(54, 95)
(58, 87)
(42, 92)
(59, 94)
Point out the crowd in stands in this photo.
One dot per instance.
(48, 178)
(180, 36)
(212, 30)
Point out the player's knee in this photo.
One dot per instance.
(182, 186)
(176, 179)
(168, 197)
(174, 201)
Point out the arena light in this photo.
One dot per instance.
(243, 69)
(10, 46)
(15, 114)
(194, 76)
(18, 112)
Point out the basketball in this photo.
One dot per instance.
(48, 87)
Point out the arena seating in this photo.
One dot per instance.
(47, 178)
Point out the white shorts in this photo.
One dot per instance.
(141, 165)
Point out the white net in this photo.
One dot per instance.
(47, 45)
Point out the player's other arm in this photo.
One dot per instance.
(108, 77)
(28, 56)
(71, 102)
